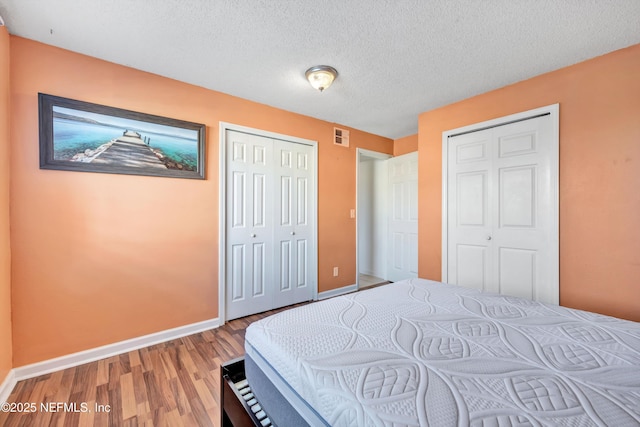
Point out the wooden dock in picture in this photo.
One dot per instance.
(129, 150)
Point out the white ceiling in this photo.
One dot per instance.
(396, 59)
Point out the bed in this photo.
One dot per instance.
(422, 353)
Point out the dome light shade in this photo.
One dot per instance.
(321, 76)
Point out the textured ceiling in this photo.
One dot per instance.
(396, 59)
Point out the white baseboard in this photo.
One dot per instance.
(7, 386)
(335, 292)
(91, 355)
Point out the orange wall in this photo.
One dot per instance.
(405, 145)
(599, 175)
(99, 258)
(5, 254)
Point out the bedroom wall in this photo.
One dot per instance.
(599, 175)
(5, 250)
(99, 258)
(405, 145)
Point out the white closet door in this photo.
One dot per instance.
(249, 231)
(523, 210)
(403, 217)
(470, 220)
(270, 239)
(293, 226)
(500, 207)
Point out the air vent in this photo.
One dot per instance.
(341, 137)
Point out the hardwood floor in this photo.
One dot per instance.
(175, 383)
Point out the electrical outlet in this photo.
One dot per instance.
(335, 271)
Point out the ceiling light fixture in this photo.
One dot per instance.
(321, 76)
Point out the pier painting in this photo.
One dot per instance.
(87, 137)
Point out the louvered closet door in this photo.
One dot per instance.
(500, 198)
(270, 224)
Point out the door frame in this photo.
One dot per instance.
(554, 112)
(222, 216)
(361, 152)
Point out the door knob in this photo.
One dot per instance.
(488, 237)
(293, 233)
(253, 235)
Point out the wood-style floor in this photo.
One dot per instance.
(368, 281)
(175, 383)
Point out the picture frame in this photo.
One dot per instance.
(85, 137)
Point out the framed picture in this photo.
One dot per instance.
(85, 137)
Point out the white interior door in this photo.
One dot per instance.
(500, 206)
(470, 225)
(249, 232)
(270, 216)
(293, 231)
(403, 217)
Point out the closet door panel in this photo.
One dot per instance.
(294, 231)
(249, 233)
(470, 218)
(523, 236)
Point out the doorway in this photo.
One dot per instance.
(386, 216)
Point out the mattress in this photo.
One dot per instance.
(421, 353)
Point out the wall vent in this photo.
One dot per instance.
(341, 137)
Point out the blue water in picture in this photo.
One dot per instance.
(75, 136)
(71, 137)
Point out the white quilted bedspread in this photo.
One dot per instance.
(420, 353)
